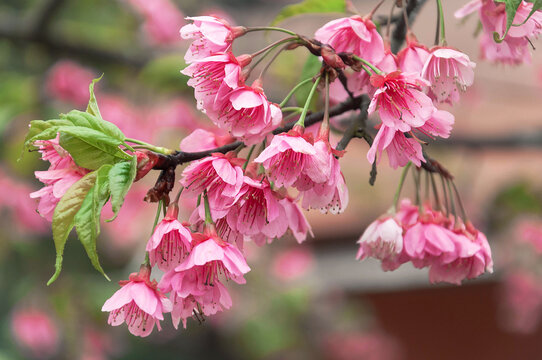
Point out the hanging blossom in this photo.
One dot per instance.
(246, 113)
(288, 156)
(221, 175)
(514, 48)
(211, 35)
(170, 241)
(195, 286)
(452, 250)
(412, 58)
(61, 175)
(449, 71)
(214, 74)
(203, 140)
(138, 303)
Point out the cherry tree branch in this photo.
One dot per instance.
(413, 8)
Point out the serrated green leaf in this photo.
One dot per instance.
(63, 217)
(101, 194)
(310, 6)
(511, 9)
(310, 69)
(38, 126)
(84, 119)
(92, 107)
(89, 153)
(87, 225)
(121, 177)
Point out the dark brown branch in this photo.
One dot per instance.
(45, 16)
(182, 157)
(356, 125)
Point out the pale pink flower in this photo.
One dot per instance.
(399, 148)
(286, 157)
(469, 8)
(449, 71)
(292, 264)
(383, 239)
(162, 19)
(177, 114)
(400, 101)
(61, 175)
(412, 58)
(257, 210)
(138, 303)
(297, 222)
(211, 35)
(221, 175)
(35, 332)
(170, 242)
(439, 124)
(511, 51)
(331, 196)
(354, 34)
(68, 81)
(203, 140)
(208, 75)
(214, 256)
(246, 113)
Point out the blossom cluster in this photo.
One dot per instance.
(427, 237)
(405, 89)
(514, 47)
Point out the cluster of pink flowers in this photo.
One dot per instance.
(514, 48)
(406, 88)
(453, 250)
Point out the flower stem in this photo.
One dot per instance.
(292, 92)
(270, 28)
(273, 45)
(208, 217)
(301, 121)
(156, 149)
(441, 21)
(248, 157)
(371, 66)
(156, 218)
(400, 186)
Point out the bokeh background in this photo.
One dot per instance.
(310, 301)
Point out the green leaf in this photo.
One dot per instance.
(87, 120)
(38, 126)
(511, 9)
(63, 217)
(92, 107)
(310, 6)
(121, 177)
(310, 69)
(90, 153)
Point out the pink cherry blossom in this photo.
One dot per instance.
(511, 51)
(246, 113)
(209, 74)
(439, 124)
(354, 34)
(211, 35)
(412, 58)
(449, 71)
(214, 256)
(35, 332)
(138, 303)
(399, 148)
(383, 239)
(170, 242)
(297, 222)
(221, 175)
(68, 81)
(257, 210)
(61, 175)
(286, 157)
(331, 196)
(400, 101)
(162, 19)
(203, 140)
(292, 264)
